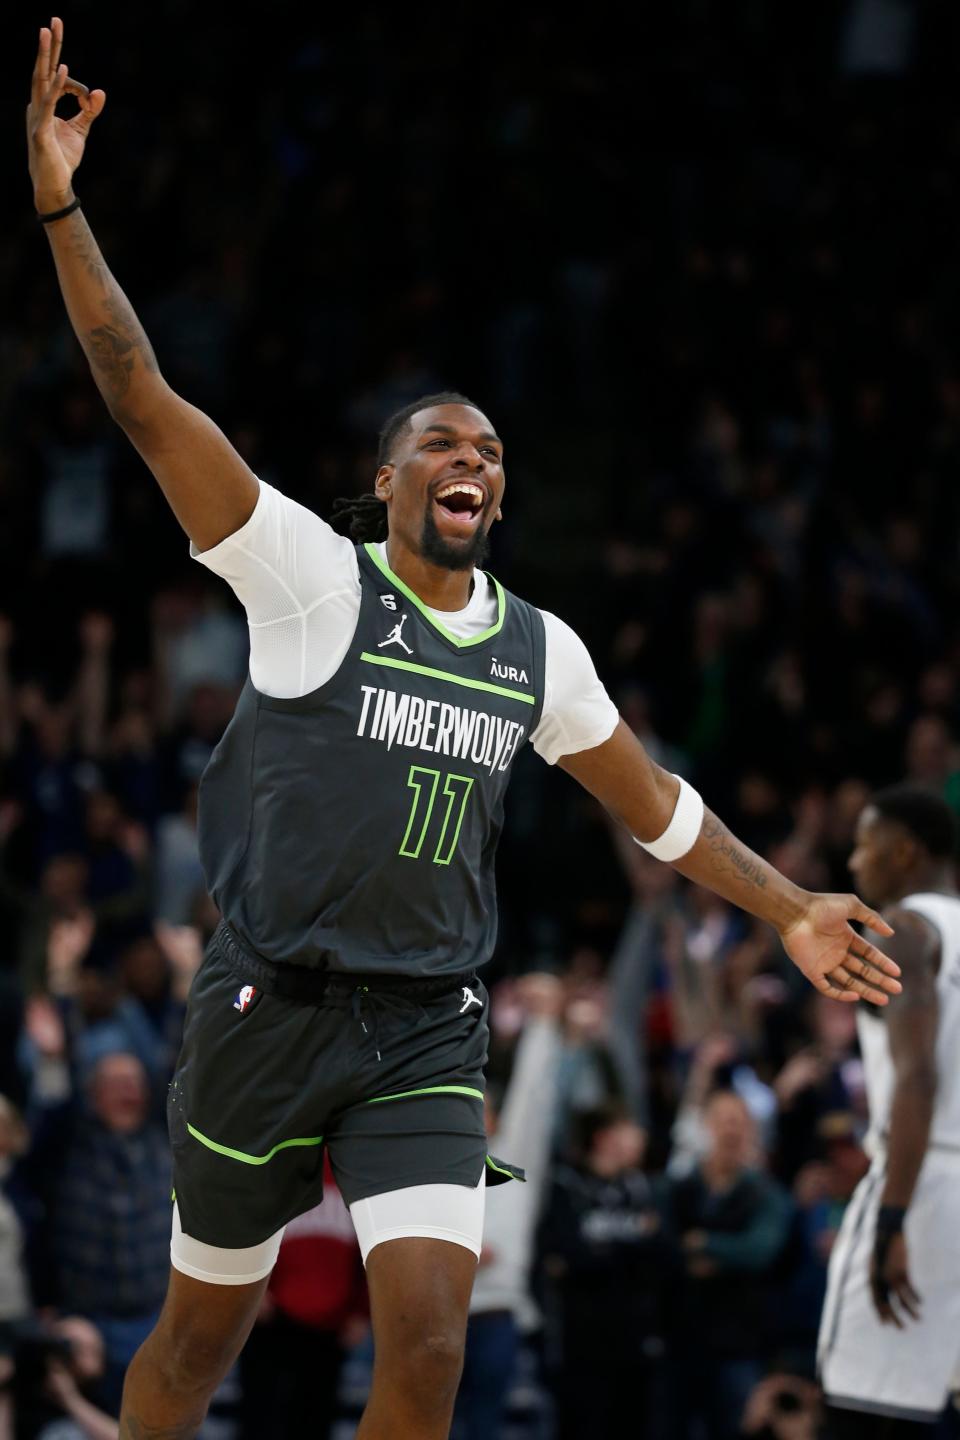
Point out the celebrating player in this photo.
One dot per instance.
(888, 1347)
(348, 825)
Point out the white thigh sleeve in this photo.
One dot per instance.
(437, 1212)
(218, 1266)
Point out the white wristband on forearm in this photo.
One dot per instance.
(681, 834)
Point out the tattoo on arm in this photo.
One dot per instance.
(111, 347)
(729, 857)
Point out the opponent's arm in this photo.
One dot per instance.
(911, 1021)
(209, 487)
(814, 929)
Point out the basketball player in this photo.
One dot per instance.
(348, 825)
(890, 1334)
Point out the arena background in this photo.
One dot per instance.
(698, 263)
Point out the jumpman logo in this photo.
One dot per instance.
(395, 638)
(469, 999)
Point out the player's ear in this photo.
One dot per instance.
(383, 485)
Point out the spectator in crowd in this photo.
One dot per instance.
(820, 1080)
(14, 1281)
(783, 1407)
(731, 1223)
(313, 1312)
(110, 1213)
(72, 1369)
(604, 1256)
(520, 1118)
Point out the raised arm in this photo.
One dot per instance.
(210, 489)
(814, 929)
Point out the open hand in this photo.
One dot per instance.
(55, 147)
(834, 958)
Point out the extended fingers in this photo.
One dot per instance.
(41, 70)
(836, 986)
(863, 913)
(871, 964)
(847, 983)
(56, 43)
(55, 91)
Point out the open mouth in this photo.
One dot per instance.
(461, 503)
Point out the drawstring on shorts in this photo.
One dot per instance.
(357, 997)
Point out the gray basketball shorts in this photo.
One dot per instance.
(387, 1077)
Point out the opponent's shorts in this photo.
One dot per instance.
(386, 1075)
(865, 1365)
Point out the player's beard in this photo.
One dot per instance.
(437, 551)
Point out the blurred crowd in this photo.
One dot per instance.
(705, 283)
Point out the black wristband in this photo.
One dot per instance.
(59, 214)
(890, 1219)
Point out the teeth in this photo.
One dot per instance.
(461, 488)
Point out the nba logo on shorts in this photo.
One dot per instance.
(246, 998)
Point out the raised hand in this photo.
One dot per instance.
(54, 146)
(834, 958)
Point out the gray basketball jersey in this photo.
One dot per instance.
(355, 828)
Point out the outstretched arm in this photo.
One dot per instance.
(815, 929)
(209, 487)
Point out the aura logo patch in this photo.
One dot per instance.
(508, 672)
(247, 998)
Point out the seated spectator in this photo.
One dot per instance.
(604, 1259)
(731, 1222)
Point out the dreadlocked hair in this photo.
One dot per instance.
(364, 517)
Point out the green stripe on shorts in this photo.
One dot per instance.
(305, 1140)
(429, 1090)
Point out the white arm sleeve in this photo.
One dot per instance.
(577, 711)
(298, 581)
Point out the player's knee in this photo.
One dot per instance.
(436, 1363)
(190, 1362)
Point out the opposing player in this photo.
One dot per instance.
(890, 1334)
(348, 825)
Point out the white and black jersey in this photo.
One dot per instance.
(865, 1365)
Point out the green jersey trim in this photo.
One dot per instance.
(464, 680)
(430, 1090)
(428, 614)
(253, 1159)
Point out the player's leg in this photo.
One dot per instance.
(200, 1333)
(419, 1296)
(420, 1246)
